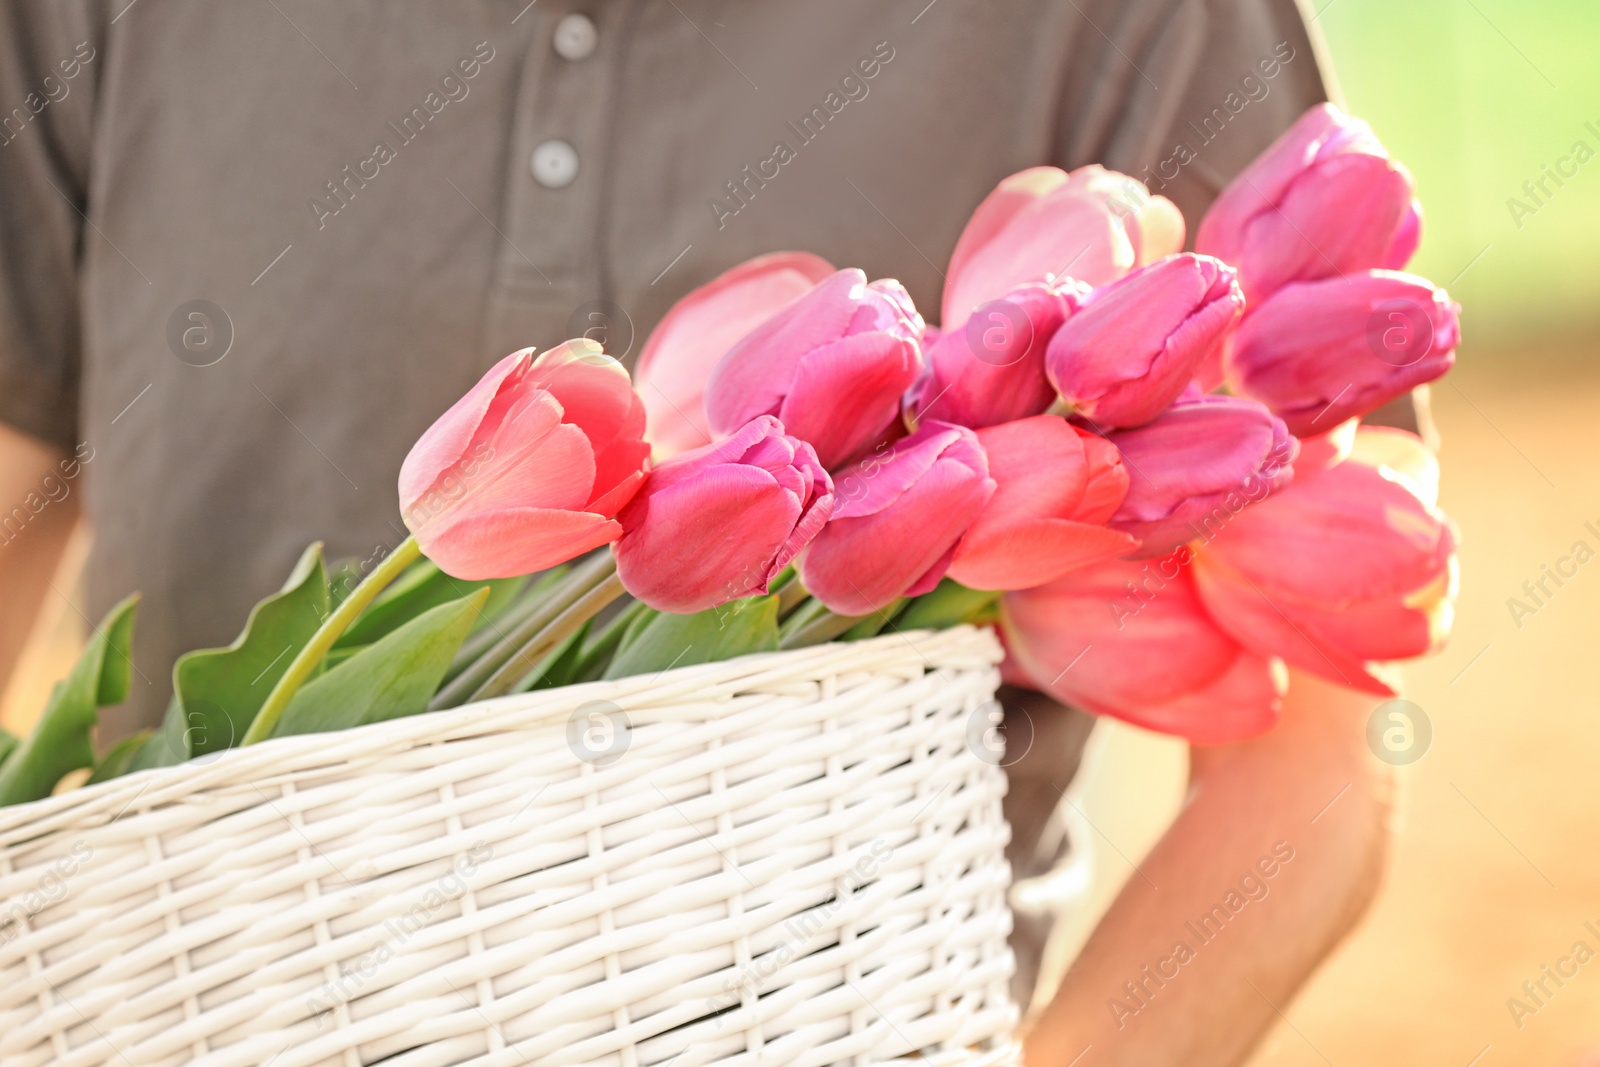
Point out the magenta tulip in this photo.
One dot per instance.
(832, 366)
(1056, 486)
(1134, 642)
(897, 518)
(1346, 569)
(1318, 353)
(720, 522)
(1199, 464)
(1133, 346)
(1324, 200)
(695, 333)
(529, 468)
(1045, 225)
(991, 370)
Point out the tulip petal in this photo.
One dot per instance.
(450, 437)
(681, 351)
(753, 377)
(845, 394)
(1031, 552)
(689, 546)
(1245, 701)
(860, 565)
(482, 546)
(1054, 238)
(989, 219)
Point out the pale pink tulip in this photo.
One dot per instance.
(695, 333)
(832, 366)
(1045, 225)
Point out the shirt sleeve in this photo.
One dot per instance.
(50, 57)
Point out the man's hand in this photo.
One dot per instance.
(32, 539)
(1278, 851)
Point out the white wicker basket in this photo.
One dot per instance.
(796, 858)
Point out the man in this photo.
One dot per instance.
(251, 251)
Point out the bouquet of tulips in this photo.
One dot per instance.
(1142, 465)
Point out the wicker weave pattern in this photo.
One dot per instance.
(797, 860)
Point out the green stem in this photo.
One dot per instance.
(515, 669)
(823, 627)
(395, 563)
(583, 578)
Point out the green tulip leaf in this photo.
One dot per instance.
(8, 741)
(60, 742)
(949, 604)
(119, 760)
(560, 667)
(657, 640)
(421, 588)
(389, 679)
(217, 691)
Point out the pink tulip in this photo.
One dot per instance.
(991, 370)
(1134, 642)
(686, 344)
(1199, 464)
(1321, 352)
(1324, 200)
(1056, 486)
(1133, 346)
(1045, 225)
(528, 468)
(897, 518)
(720, 522)
(1345, 569)
(832, 366)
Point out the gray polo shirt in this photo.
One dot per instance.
(251, 250)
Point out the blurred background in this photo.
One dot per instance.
(1495, 871)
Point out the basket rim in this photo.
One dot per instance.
(703, 683)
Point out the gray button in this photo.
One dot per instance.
(575, 37)
(555, 164)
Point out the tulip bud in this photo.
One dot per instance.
(1318, 353)
(1199, 464)
(1045, 225)
(1324, 200)
(695, 333)
(720, 522)
(1056, 486)
(897, 518)
(528, 468)
(1345, 569)
(1134, 642)
(1133, 346)
(832, 366)
(991, 370)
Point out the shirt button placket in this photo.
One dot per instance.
(562, 110)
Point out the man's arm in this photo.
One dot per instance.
(1309, 786)
(31, 545)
